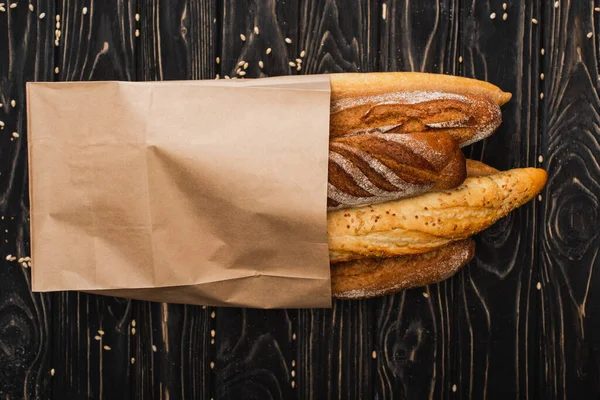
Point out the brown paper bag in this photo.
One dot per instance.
(209, 192)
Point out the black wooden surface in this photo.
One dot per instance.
(521, 321)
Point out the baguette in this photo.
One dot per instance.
(423, 223)
(352, 85)
(371, 277)
(467, 118)
(375, 167)
(477, 168)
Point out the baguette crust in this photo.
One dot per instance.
(423, 223)
(345, 85)
(467, 118)
(373, 168)
(372, 277)
(477, 168)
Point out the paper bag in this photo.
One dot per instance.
(210, 192)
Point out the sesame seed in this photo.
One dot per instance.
(137, 17)
(24, 265)
(426, 295)
(212, 333)
(1, 123)
(460, 59)
(539, 286)
(42, 15)
(13, 103)
(542, 51)
(226, 77)
(133, 322)
(154, 348)
(292, 64)
(52, 372)
(246, 65)
(299, 67)
(293, 373)
(84, 10)
(293, 363)
(212, 365)
(217, 76)
(241, 63)
(133, 360)
(556, 4)
(213, 314)
(57, 18)
(539, 197)
(374, 354)
(268, 51)
(243, 37)
(541, 159)
(504, 16)
(97, 337)
(493, 16)
(2, 8)
(57, 33)
(299, 60)
(15, 134)
(261, 65)
(100, 332)
(8, 257)
(597, 9)
(542, 76)
(302, 53)
(293, 384)
(13, 5)
(58, 25)
(212, 341)
(218, 60)
(133, 331)
(256, 31)
(589, 35)
(541, 96)
(384, 11)
(107, 348)
(454, 388)
(56, 70)
(242, 73)
(137, 33)
(504, 6)
(535, 21)
(31, 7)
(20, 260)
(288, 40)
(293, 336)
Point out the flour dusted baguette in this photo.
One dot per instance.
(345, 85)
(403, 102)
(420, 224)
(376, 167)
(371, 277)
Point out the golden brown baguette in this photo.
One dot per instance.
(422, 223)
(375, 167)
(477, 168)
(345, 85)
(371, 277)
(467, 118)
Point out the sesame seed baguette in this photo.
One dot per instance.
(423, 223)
(372, 277)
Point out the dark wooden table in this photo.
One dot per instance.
(521, 321)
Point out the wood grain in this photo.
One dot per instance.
(415, 329)
(25, 318)
(569, 332)
(495, 295)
